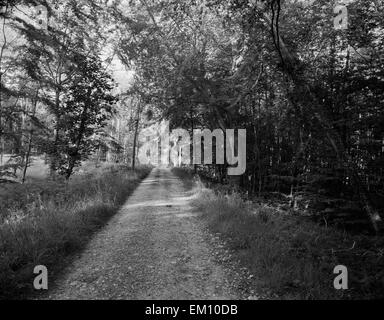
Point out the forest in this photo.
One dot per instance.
(305, 79)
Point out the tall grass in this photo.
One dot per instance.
(292, 257)
(44, 221)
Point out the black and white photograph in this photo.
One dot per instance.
(196, 157)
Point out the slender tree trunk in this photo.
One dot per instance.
(134, 147)
(54, 153)
(5, 42)
(29, 148)
(27, 156)
(2, 142)
(71, 166)
(79, 139)
(137, 124)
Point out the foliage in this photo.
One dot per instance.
(309, 96)
(43, 70)
(87, 105)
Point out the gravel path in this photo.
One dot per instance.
(154, 248)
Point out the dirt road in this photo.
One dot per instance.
(154, 248)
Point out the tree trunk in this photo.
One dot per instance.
(27, 156)
(137, 124)
(4, 45)
(54, 152)
(31, 131)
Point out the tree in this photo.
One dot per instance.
(308, 94)
(88, 103)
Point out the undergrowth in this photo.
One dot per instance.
(44, 221)
(291, 257)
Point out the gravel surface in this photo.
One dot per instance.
(154, 248)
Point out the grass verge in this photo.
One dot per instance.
(289, 256)
(43, 222)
